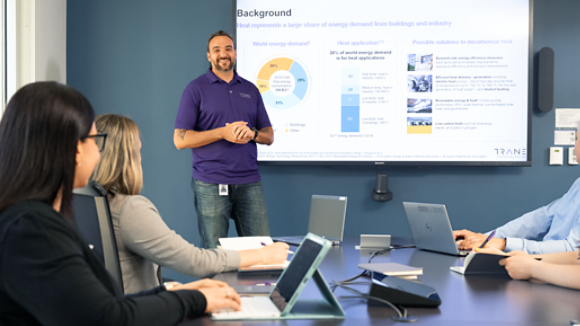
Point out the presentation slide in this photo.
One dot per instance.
(390, 80)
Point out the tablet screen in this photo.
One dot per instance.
(295, 272)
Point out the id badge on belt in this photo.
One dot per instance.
(223, 190)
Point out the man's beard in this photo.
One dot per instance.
(218, 67)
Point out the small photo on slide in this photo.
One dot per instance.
(419, 125)
(420, 62)
(419, 105)
(419, 83)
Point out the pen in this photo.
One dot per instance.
(488, 238)
(288, 251)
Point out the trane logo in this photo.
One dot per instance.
(423, 208)
(510, 151)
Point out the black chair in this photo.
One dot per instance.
(93, 220)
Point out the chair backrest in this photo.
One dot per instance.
(93, 220)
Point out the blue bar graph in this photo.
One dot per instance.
(350, 100)
(350, 119)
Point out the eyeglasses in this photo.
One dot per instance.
(100, 139)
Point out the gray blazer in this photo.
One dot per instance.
(144, 242)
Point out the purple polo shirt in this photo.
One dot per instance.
(208, 103)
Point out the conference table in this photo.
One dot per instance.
(465, 300)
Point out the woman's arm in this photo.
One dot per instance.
(145, 233)
(273, 254)
(562, 275)
(565, 258)
(559, 269)
(47, 270)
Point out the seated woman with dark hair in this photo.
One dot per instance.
(144, 241)
(48, 274)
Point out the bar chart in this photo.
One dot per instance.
(350, 100)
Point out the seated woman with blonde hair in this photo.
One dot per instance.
(144, 241)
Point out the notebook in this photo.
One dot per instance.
(431, 228)
(245, 243)
(327, 215)
(480, 263)
(392, 269)
(282, 302)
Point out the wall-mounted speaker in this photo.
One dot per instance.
(546, 79)
(381, 191)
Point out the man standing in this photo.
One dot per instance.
(221, 117)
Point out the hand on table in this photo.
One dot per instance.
(519, 265)
(275, 253)
(219, 298)
(201, 284)
(218, 294)
(493, 251)
(471, 240)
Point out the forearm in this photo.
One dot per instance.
(265, 136)
(562, 275)
(251, 257)
(190, 260)
(564, 258)
(538, 247)
(183, 138)
(273, 254)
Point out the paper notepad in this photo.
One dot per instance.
(247, 243)
(393, 269)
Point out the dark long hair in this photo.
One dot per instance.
(39, 135)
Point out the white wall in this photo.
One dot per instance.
(41, 41)
(50, 54)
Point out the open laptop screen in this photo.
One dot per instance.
(288, 283)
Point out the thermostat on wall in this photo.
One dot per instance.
(572, 160)
(556, 155)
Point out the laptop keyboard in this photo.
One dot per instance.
(252, 307)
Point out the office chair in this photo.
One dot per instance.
(93, 220)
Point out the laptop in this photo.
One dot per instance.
(327, 215)
(431, 228)
(282, 301)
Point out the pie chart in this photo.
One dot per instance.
(283, 82)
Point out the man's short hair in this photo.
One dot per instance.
(220, 33)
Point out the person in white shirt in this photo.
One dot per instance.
(553, 223)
